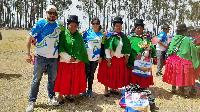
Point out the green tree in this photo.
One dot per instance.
(194, 13)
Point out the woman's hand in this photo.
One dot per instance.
(126, 59)
(109, 62)
(100, 60)
(72, 59)
(33, 42)
(145, 69)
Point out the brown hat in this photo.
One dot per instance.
(182, 27)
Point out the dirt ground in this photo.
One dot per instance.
(16, 76)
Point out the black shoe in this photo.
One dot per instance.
(107, 95)
(153, 107)
(70, 99)
(61, 102)
(90, 94)
(114, 92)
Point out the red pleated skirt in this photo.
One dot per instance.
(103, 72)
(179, 72)
(71, 78)
(117, 76)
(143, 82)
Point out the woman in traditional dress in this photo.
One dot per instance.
(140, 45)
(182, 65)
(103, 69)
(71, 77)
(93, 39)
(117, 50)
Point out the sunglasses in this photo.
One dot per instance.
(95, 23)
(52, 13)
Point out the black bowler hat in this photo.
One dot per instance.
(117, 19)
(73, 18)
(139, 22)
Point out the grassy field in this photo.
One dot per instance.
(16, 76)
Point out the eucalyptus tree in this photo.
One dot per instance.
(92, 6)
(26, 7)
(32, 13)
(19, 7)
(98, 6)
(88, 6)
(182, 11)
(194, 13)
(1, 14)
(175, 7)
(135, 9)
(61, 5)
(7, 12)
(155, 14)
(160, 13)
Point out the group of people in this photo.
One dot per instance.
(71, 58)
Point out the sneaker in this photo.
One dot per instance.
(53, 101)
(30, 106)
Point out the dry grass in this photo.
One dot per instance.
(16, 76)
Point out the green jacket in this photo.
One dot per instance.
(73, 44)
(113, 41)
(135, 49)
(186, 49)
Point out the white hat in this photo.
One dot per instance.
(49, 7)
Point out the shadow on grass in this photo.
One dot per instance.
(83, 103)
(161, 93)
(191, 95)
(9, 76)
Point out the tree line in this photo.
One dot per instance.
(24, 13)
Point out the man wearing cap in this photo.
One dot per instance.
(45, 34)
(161, 48)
